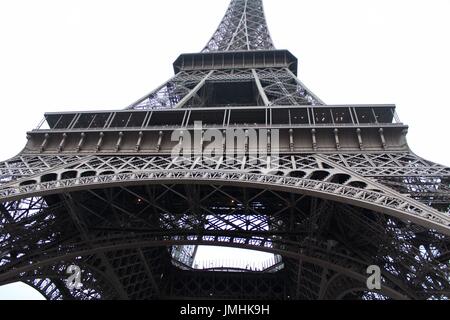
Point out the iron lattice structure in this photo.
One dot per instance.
(101, 190)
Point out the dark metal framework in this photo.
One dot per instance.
(101, 190)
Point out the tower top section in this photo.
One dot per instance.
(243, 27)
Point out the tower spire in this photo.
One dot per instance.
(243, 27)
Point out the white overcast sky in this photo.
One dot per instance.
(61, 55)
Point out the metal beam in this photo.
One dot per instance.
(82, 227)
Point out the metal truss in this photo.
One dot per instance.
(192, 89)
(367, 164)
(132, 217)
(406, 173)
(172, 94)
(119, 229)
(244, 27)
(310, 174)
(282, 87)
(27, 165)
(399, 206)
(390, 165)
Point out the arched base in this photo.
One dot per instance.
(126, 233)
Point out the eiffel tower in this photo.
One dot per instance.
(341, 190)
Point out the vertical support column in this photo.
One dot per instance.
(314, 139)
(158, 145)
(224, 143)
(100, 142)
(139, 142)
(336, 137)
(383, 138)
(360, 140)
(63, 142)
(119, 141)
(261, 89)
(81, 142)
(291, 140)
(44, 143)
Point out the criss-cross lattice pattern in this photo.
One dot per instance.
(132, 220)
(313, 173)
(244, 27)
(283, 88)
(194, 89)
(124, 231)
(22, 166)
(171, 93)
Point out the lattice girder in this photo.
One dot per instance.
(107, 236)
(100, 190)
(276, 86)
(244, 27)
(337, 183)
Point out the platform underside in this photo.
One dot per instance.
(122, 237)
